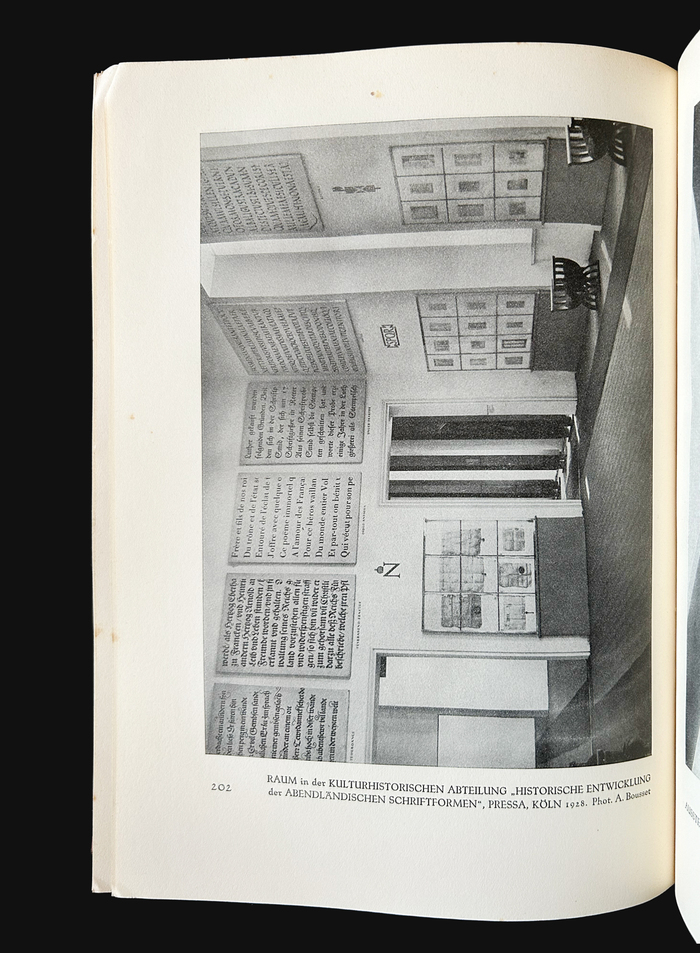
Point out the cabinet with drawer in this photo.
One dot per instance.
(499, 329)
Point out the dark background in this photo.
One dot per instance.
(659, 34)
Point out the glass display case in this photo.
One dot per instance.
(479, 576)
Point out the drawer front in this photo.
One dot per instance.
(509, 184)
(478, 362)
(469, 186)
(419, 188)
(518, 210)
(449, 362)
(434, 305)
(514, 324)
(508, 344)
(512, 156)
(442, 345)
(468, 157)
(476, 303)
(417, 160)
(516, 303)
(424, 213)
(478, 325)
(439, 327)
(477, 345)
(513, 361)
(474, 211)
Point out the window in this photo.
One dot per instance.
(486, 457)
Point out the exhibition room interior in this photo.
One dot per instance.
(497, 274)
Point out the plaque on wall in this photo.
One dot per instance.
(287, 625)
(290, 337)
(256, 196)
(310, 517)
(303, 421)
(298, 723)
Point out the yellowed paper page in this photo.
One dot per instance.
(103, 496)
(443, 689)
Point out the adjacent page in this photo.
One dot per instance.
(393, 507)
(688, 681)
(102, 501)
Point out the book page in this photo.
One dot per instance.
(103, 492)
(393, 388)
(688, 730)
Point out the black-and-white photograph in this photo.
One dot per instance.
(427, 381)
